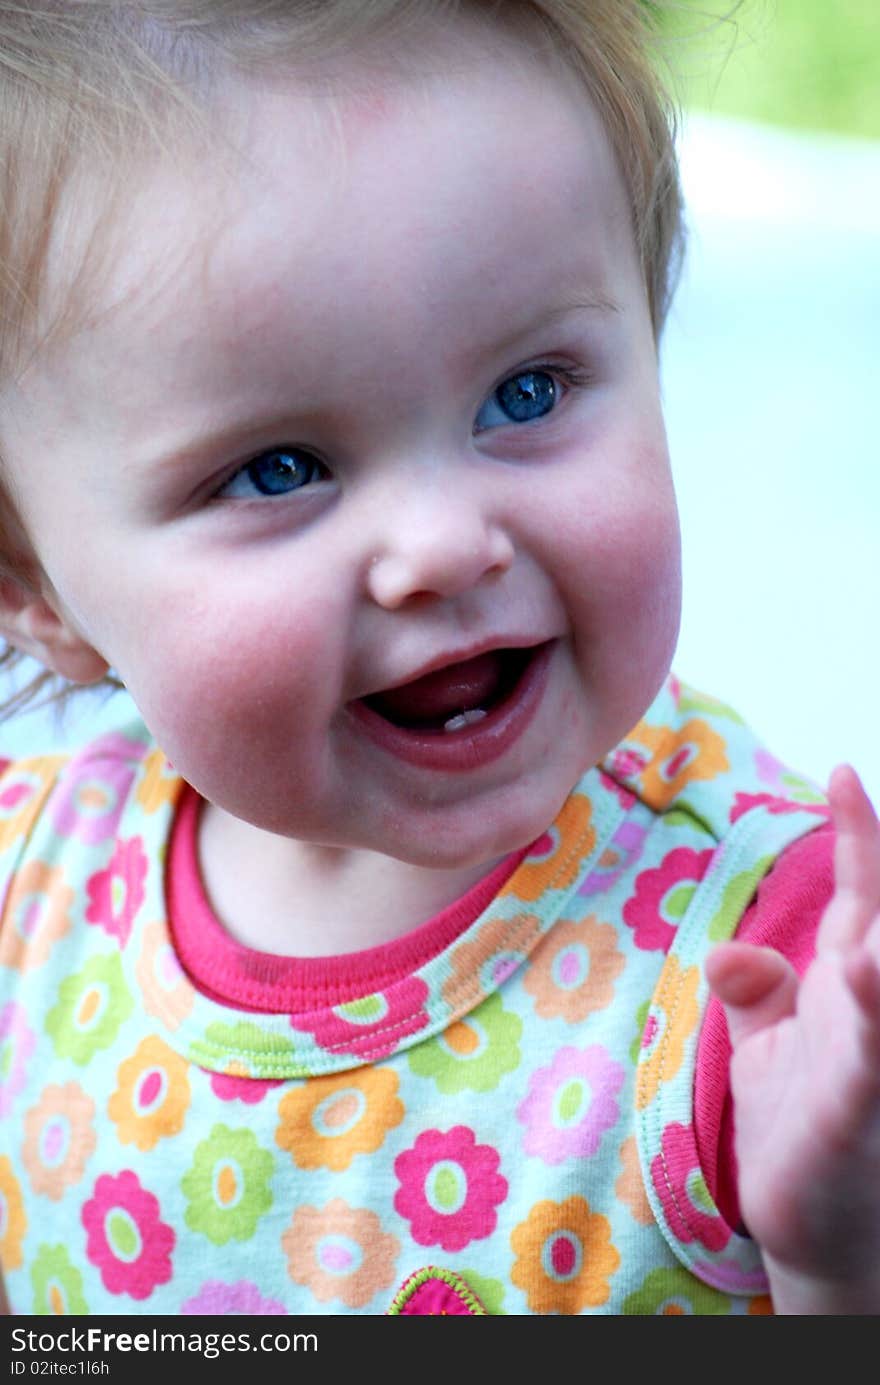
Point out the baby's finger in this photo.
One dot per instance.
(756, 986)
(856, 899)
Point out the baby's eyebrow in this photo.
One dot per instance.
(580, 303)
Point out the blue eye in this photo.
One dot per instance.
(278, 471)
(521, 399)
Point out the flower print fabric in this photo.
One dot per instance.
(127, 1240)
(505, 1128)
(449, 1188)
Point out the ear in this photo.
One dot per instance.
(30, 622)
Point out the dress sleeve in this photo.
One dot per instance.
(784, 915)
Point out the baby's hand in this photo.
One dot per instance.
(806, 1084)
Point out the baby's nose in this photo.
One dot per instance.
(441, 552)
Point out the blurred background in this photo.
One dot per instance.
(771, 371)
(771, 375)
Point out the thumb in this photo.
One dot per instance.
(756, 986)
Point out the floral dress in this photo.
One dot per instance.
(506, 1129)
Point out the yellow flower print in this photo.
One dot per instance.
(565, 1258)
(159, 784)
(672, 1018)
(554, 860)
(59, 1139)
(340, 1253)
(327, 1121)
(572, 971)
(483, 963)
(678, 757)
(13, 1222)
(168, 993)
(153, 1095)
(23, 790)
(630, 1186)
(35, 916)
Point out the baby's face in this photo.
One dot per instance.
(386, 407)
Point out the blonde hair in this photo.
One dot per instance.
(84, 82)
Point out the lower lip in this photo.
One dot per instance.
(473, 746)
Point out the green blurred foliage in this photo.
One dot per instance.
(811, 64)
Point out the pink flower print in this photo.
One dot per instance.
(93, 790)
(373, 1025)
(127, 1241)
(17, 1043)
(662, 897)
(619, 854)
(744, 802)
(627, 762)
(229, 1086)
(678, 1180)
(116, 894)
(571, 1104)
(449, 1188)
(623, 795)
(216, 1299)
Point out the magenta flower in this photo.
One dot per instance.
(216, 1299)
(17, 1043)
(774, 804)
(116, 894)
(571, 1104)
(678, 1179)
(229, 1087)
(127, 1241)
(449, 1188)
(94, 788)
(373, 1025)
(663, 895)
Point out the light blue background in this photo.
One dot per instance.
(771, 371)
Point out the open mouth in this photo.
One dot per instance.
(462, 716)
(450, 699)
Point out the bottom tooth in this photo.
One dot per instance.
(464, 719)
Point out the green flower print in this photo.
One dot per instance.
(227, 1187)
(736, 896)
(243, 1049)
(673, 1292)
(635, 1047)
(474, 1053)
(57, 1284)
(490, 1292)
(92, 1004)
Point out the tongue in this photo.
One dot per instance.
(443, 694)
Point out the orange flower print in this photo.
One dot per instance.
(554, 860)
(167, 992)
(59, 1139)
(13, 1222)
(565, 1258)
(36, 916)
(483, 963)
(23, 790)
(572, 970)
(340, 1253)
(327, 1121)
(678, 757)
(152, 1096)
(159, 784)
(672, 1019)
(630, 1186)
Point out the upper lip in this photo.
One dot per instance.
(450, 658)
